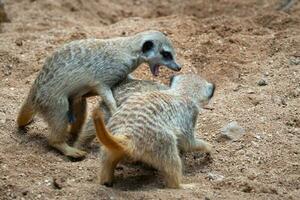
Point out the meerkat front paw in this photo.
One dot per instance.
(202, 146)
(75, 153)
(208, 148)
(68, 150)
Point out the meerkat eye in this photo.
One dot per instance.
(147, 46)
(167, 55)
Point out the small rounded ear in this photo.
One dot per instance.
(147, 46)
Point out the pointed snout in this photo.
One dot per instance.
(174, 66)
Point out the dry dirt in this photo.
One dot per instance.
(240, 45)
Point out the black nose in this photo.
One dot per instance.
(176, 67)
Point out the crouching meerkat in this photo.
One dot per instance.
(85, 68)
(121, 92)
(153, 127)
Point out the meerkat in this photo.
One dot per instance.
(121, 92)
(153, 127)
(86, 68)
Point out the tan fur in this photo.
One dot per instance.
(79, 109)
(117, 147)
(113, 143)
(25, 116)
(121, 92)
(153, 127)
(86, 68)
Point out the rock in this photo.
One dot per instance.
(24, 192)
(57, 183)
(250, 91)
(232, 131)
(295, 60)
(19, 42)
(246, 188)
(258, 137)
(262, 82)
(216, 177)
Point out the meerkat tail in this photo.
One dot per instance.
(26, 114)
(112, 142)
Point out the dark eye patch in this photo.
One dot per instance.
(166, 55)
(147, 46)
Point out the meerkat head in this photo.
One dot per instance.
(157, 50)
(193, 86)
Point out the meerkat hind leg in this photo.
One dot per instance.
(169, 163)
(79, 111)
(109, 161)
(173, 172)
(86, 136)
(58, 124)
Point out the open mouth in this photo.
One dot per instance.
(155, 70)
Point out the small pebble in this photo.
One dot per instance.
(233, 131)
(247, 188)
(250, 91)
(258, 137)
(25, 192)
(217, 177)
(294, 60)
(19, 42)
(262, 82)
(57, 184)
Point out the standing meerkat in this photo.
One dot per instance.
(153, 127)
(85, 68)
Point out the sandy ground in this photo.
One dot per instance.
(234, 43)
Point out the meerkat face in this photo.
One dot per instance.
(200, 90)
(157, 50)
